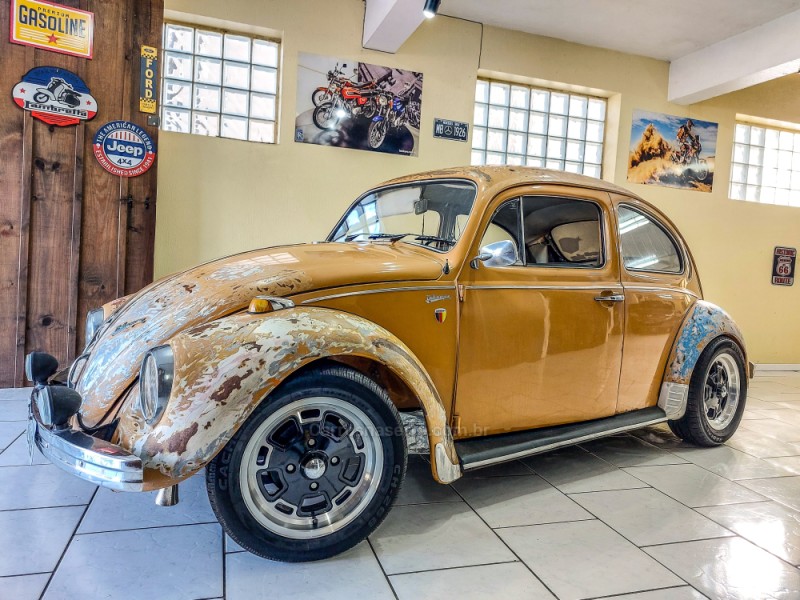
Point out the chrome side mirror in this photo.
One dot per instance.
(498, 254)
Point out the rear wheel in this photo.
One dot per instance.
(717, 395)
(313, 471)
(376, 133)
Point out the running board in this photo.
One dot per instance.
(484, 451)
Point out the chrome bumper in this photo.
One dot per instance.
(87, 457)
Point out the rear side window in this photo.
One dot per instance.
(646, 246)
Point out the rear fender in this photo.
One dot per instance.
(224, 369)
(704, 323)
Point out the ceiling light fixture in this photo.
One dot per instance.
(431, 8)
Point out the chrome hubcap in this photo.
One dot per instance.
(721, 391)
(311, 467)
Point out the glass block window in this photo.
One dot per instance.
(765, 165)
(219, 84)
(521, 125)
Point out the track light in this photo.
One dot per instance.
(431, 8)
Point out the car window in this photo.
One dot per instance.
(646, 246)
(561, 232)
(505, 225)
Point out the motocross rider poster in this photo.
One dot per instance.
(672, 151)
(357, 105)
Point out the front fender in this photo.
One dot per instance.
(224, 369)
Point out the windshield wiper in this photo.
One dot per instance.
(394, 237)
(435, 238)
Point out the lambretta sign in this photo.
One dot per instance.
(123, 148)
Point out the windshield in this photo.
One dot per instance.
(431, 214)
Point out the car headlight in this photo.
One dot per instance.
(155, 382)
(94, 319)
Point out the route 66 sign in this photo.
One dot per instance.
(783, 263)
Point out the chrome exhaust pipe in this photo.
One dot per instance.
(167, 496)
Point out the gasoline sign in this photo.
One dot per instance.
(52, 27)
(123, 148)
(783, 263)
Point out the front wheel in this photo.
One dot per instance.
(376, 133)
(701, 169)
(717, 395)
(325, 116)
(313, 471)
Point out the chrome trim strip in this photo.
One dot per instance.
(658, 288)
(380, 291)
(446, 471)
(614, 288)
(556, 445)
(87, 457)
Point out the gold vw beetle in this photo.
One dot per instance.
(477, 315)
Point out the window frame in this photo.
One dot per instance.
(524, 257)
(163, 106)
(657, 222)
(546, 135)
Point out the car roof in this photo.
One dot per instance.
(493, 179)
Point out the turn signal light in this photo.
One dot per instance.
(259, 305)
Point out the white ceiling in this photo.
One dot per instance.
(663, 29)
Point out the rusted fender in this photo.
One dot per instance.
(225, 368)
(109, 308)
(703, 323)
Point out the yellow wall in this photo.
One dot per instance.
(220, 196)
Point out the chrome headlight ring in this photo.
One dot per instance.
(155, 382)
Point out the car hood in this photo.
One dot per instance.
(225, 286)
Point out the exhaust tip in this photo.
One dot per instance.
(167, 496)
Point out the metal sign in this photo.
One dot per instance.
(52, 27)
(123, 148)
(783, 263)
(55, 96)
(147, 80)
(450, 130)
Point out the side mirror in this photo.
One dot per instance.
(497, 254)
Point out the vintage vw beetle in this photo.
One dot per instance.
(475, 314)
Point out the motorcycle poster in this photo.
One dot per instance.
(357, 105)
(672, 151)
(55, 96)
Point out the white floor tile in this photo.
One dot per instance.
(785, 490)
(354, 574)
(167, 563)
(630, 451)
(14, 410)
(730, 568)
(574, 470)
(770, 525)
(41, 486)
(16, 455)
(9, 432)
(513, 501)
(435, 536)
(648, 517)
(790, 463)
(730, 463)
(761, 446)
(32, 541)
(419, 486)
(585, 560)
(694, 486)
(111, 511)
(23, 587)
(509, 581)
(678, 593)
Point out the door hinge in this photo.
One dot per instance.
(455, 423)
(460, 292)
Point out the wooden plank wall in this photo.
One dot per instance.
(72, 236)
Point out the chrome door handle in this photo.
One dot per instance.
(611, 298)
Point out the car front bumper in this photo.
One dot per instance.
(85, 456)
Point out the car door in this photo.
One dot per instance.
(659, 284)
(540, 340)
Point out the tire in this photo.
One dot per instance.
(376, 134)
(701, 170)
(320, 96)
(324, 116)
(370, 109)
(40, 97)
(298, 457)
(717, 396)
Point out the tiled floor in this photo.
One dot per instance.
(640, 517)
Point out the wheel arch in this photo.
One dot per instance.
(224, 369)
(704, 323)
